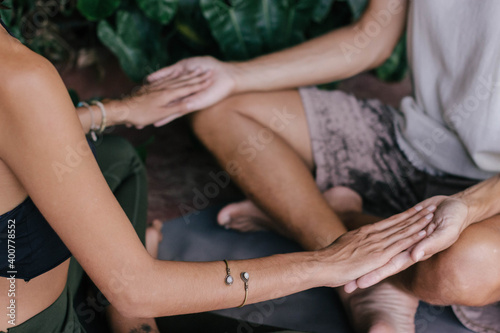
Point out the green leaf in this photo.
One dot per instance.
(245, 29)
(357, 7)
(159, 10)
(322, 9)
(95, 10)
(233, 27)
(137, 42)
(396, 67)
(7, 14)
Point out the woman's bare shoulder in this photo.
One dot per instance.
(21, 68)
(27, 79)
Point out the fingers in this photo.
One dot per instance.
(428, 247)
(411, 223)
(183, 76)
(165, 73)
(168, 97)
(397, 264)
(168, 119)
(188, 80)
(408, 227)
(350, 287)
(177, 81)
(407, 237)
(398, 218)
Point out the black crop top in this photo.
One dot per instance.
(29, 246)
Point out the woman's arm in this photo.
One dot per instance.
(42, 142)
(145, 106)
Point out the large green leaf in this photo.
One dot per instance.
(137, 42)
(396, 67)
(233, 27)
(159, 10)
(7, 14)
(322, 9)
(245, 29)
(357, 7)
(95, 10)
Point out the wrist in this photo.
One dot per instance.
(325, 269)
(241, 73)
(116, 112)
(481, 199)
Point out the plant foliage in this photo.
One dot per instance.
(147, 34)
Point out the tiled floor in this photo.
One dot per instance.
(177, 164)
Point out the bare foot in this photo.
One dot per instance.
(154, 237)
(381, 309)
(245, 216)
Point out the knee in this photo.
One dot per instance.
(465, 274)
(115, 150)
(217, 116)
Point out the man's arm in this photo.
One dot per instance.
(482, 200)
(339, 54)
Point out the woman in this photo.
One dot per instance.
(44, 157)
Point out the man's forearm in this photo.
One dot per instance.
(337, 55)
(482, 199)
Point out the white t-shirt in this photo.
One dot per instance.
(451, 124)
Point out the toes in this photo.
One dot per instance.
(245, 224)
(157, 224)
(224, 217)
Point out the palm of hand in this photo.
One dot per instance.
(450, 219)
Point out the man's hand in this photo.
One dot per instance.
(370, 247)
(186, 72)
(450, 219)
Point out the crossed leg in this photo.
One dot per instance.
(262, 140)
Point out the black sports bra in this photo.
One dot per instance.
(29, 246)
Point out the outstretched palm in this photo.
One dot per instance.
(450, 219)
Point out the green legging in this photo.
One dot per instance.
(126, 176)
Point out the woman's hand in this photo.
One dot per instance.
(185, 72)
(448, 222)
(373, 246)
(158, 103)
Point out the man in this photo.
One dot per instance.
(445, 139)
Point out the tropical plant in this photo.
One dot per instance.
(148, 34)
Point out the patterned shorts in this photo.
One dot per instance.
(354, 145)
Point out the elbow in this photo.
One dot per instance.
(381, 57)
(131, 303)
